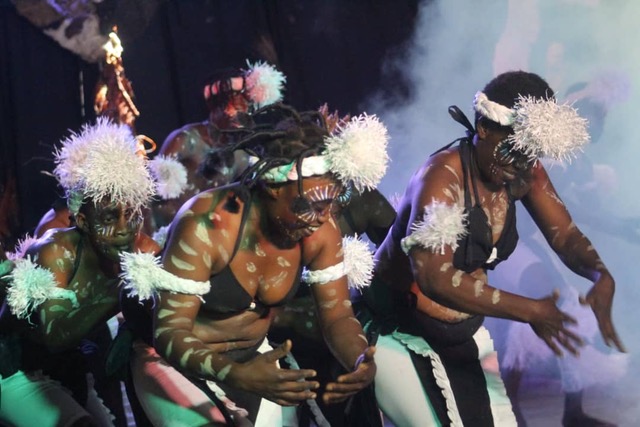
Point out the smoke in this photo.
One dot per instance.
(587, 52)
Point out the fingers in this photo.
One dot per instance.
(279, 352)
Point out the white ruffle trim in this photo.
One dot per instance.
(144, 277)
(420, 347)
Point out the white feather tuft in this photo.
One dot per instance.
(442, 225)
(264, 83)
(170, 176)
(358, 152)
(31, 285)
(544, 128)
(358, 261)
(102, 162)
(144, 277)
(22, 247)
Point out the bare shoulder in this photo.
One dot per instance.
(56, 248)
(175, 142)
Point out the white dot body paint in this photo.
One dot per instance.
(251, 267)
(259, 251)
(445, 266)
(282, 262)
(181, 265)
(202, 234)
(346, 303)
(419, 263)
(223, 254)
(223, 372)
(206, 259)
(332, 292)
(185, 357)
(456, 280)
(165, 312)
(495, 297)
(329, 304)
(186, 248)
(478, 287)
(174, 303)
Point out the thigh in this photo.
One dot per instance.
(168, 397)
(398, 389)
(35, 400)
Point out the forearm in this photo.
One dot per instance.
(65, 329)
(187, 353)
(460, 291)
(579, 255)
(346, 340)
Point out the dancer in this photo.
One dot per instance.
(231, 95)
(234, 253)
(65, 284)
(455, 221)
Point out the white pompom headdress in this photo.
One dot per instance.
(170, 176)
(101, 161)
(356, 153)
(541, 127)
(264, 84)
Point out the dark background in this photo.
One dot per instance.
(331, 51)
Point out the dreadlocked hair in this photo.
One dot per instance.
(507, 88)
(280, 135)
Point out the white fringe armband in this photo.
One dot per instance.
(442, 225)
(31, 285)
(326, 275)
(357, 266)
(144, 277)
(358, 261)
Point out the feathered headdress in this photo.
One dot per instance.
(101, 162)
(541, 127)
(356, 153)
(264, 84)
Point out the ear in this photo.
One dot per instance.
(81, 222)
(482, 130)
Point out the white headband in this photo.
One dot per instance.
(541, 127)
(356, 154)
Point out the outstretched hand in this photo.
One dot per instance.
(349, 384)
(286, 387)
(550, 326)
(600, 298)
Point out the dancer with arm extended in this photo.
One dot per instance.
(455, 221)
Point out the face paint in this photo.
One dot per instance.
(112, 228)
(320, 199)
(251, 267)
